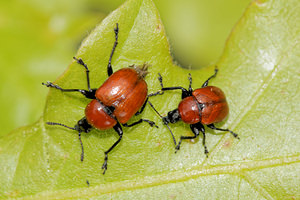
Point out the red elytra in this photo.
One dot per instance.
(215, 107)
(126, 90)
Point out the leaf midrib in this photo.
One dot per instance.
(237, 169)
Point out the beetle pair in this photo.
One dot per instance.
(124, 94)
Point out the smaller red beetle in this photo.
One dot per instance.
(114, 103)
(206, 105)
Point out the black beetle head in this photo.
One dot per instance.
(172, 117)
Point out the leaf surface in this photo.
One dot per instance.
(259, 73)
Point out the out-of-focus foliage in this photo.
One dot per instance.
(38, 40)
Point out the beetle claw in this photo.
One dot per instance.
(206, 153)
(153, 124)
(104, 166)
(177, 148)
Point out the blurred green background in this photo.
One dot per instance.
(38, 39)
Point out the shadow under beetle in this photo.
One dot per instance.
(114, 102)
(204, 106)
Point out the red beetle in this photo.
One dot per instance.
(114, 103)
(206, 105)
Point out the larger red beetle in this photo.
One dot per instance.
(114, 103)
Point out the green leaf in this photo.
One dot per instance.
(258, 72)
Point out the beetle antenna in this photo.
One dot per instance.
(171, 133)
(59, 124)
(165, 123)
(76, 128)
(154, 109)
